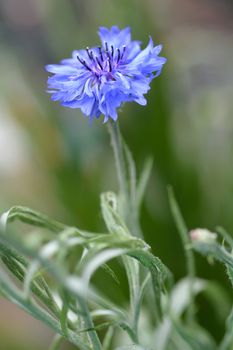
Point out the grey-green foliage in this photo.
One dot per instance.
(221, 251)
(75, 290)
(208, 244)
(60, 293)
(48, 272)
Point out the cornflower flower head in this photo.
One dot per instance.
(98, 80)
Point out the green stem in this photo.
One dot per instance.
(127, 211)
(117, 146)
(36, 311)
(133, 217)
(189, 256)
(96, 345)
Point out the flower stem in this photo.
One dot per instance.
(127, 188)
(117, 146)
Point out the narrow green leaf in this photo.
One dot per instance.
(132, 271)
(179, 300)
(108, 338)
(230, 274)
(36, 311)
(159, 274)
(225, 235)
(132, 218)
(189, 256)
(111, 273)
(196, 338)
(56, 343)
(112, 219)
(227, 342)
(64, 313)
(126, 327)
(138, 302)
(132, 347)
(132, 175)
(32, 217)
(143, 181)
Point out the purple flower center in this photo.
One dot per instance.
(104, 61)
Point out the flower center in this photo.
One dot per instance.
(104, 60)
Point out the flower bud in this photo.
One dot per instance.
(202, 235)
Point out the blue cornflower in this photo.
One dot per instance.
(99, 79)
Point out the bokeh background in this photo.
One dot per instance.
(52, 160)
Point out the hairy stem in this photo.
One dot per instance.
(127, 210)
(116, 142)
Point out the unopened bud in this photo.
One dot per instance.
(202, 235)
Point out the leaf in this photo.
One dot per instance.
(109, 208)
(36, 311)
(180, 296)
(132, 175)
(139, 301)
(111, 273)
(55, 345)
(211, 248)
(214, 250)
(132, 217)
(143, 181)
(196, 338)
(227, 342)
(230, 274)
(132, 347)
(159, 274)
(17, 265)
(99, 260)
(64, 313)
(178, 302)
(31, 217)
(132, 271)
(225, 235)
(189, 256)
(213, 293)
(108, 338)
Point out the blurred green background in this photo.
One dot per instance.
(52, 160)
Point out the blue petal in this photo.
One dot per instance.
(141, 100)
(140, 86)
(143, 55)
(115, 36)
(132, 51)
(153, 65)
(123, 81)
(88, 105)
(67, 83)
(157, 49)
(60, 69)
(110, 102)
(94, 91)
